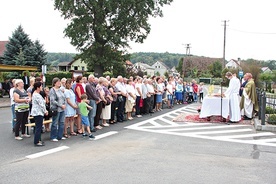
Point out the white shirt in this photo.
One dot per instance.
(121, 87)
(130, 89)
(138, 85)
(11, 96)
(84, 86)
(169, 89)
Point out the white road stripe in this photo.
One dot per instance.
(265, 140)
(223, 131)
(190, 110)
(246, 135)
(204, 128)
(168, 121)
(47, 152)
(97, 137)
(154, 123)
(209, 138)
(169, 126)
(171, 116)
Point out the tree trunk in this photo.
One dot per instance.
(98, 71)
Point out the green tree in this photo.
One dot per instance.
(216, 69)
(20, 50)
(19, 46)
(102, 29)
(179, 67)
(39, 55)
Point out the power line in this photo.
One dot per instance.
(250, 32)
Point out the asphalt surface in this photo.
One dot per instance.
(134, 156)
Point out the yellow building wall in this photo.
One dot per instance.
(79, 65)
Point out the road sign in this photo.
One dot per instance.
(240, 73)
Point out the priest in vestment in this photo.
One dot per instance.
(232, 93)
(249, 102)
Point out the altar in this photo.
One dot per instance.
(211, 106)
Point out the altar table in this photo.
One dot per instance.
(211, 106)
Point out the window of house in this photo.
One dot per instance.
(158, 66)
(82, 68)
(75, 68)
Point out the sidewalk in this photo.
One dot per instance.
(5, 102)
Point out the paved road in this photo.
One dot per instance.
(152, 149)
(220, 132)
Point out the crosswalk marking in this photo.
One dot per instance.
(247, 135)
(205, 128)
(219, 132)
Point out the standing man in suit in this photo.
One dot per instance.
(26, 80)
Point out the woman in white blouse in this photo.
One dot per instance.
(38, 111)
(130, 102)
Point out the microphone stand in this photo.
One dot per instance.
(221, 118)
(221, 101)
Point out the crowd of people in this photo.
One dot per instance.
(84, 105)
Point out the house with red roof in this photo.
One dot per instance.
(2, 49)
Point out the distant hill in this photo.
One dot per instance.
(150, 58)
(55, 58)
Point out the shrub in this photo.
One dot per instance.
(272, 119)
(60, 75)
(270, 110)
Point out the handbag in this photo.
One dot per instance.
(120, 98)
(141, 102)
(54, 111)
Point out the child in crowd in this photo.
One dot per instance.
(83, 106)
(200, 89)
(179, 92)
(170, 94)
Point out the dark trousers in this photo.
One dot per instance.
(151, 102)
(120, 110)
(113, 109)
(98, 114)
(26, 86)
(21, 120)
(38, 128)
(137, 106)
(154, 101)
(200, 97)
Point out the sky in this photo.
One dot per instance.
(250, 30)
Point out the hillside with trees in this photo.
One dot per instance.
(150, 58)
(54, 59)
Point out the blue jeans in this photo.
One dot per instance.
(13, 115)
(92, 113)
(57, 126)
(195, 97)
(38, 128)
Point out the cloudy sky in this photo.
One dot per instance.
(250, 32)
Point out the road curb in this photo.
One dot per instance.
(258, 126)
(4, 106)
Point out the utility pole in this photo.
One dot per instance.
(224, 42)
(187, 46)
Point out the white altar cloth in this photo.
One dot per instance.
(211, 106)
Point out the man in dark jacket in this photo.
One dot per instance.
(26, 80)
(93, 98)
